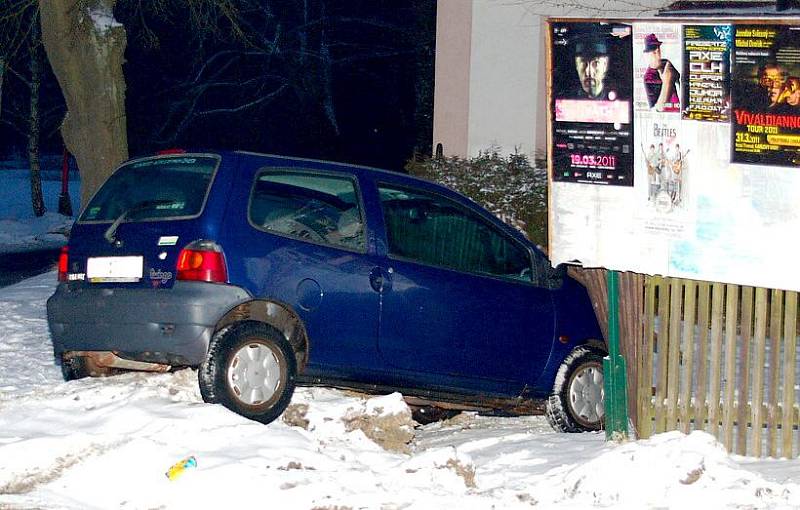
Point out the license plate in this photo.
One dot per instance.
(114, 269)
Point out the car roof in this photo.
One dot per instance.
(332, 166)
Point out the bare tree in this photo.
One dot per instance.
(34, 125)
(22, 32)
(85, 47)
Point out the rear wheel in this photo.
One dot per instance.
(250, 369)
(576, 403)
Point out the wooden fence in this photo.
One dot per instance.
(720, 358)
(708, 356)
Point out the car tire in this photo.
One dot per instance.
(250, 369)
(576, 403)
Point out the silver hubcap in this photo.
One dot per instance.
(254, 374)
(586, 394)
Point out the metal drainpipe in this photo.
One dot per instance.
(615, 380)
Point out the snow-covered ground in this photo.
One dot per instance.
(20, 231)
(107, 443)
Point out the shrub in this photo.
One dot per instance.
(509, 186)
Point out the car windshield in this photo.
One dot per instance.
(176, 186)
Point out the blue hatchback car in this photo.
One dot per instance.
(266, 271)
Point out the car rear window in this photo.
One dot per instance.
(155, 188)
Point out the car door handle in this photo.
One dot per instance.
(379, 279)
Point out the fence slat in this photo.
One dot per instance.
(728, 404)
(789, 354)
(703, 301)
(724, 357)
(758, 369)
(662, 341)
(775, 331)
(690, 299)
(717, 300)
(674, 350)
(646, 368)
(746, 328)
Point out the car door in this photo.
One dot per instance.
(305, 246)
(461, 299)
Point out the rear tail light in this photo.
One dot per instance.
(63, 263)
(202, 261)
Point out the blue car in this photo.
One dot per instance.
(264, 272)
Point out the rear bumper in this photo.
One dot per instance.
(171, 326)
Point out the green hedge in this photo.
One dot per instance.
(509, 186)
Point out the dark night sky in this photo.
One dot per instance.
(378, 55)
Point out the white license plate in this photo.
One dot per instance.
(114, 269)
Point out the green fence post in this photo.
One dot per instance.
(615, 380)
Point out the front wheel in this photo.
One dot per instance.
(576, 403)
(250, 369)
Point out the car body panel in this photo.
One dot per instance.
(370, 319)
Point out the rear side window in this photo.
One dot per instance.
(436, 231)
(319, 208)
(157, 188)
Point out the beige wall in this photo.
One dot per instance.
(507, 79)
(490, 70)
(451, 89)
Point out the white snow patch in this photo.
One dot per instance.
(107, 443)
(20, 231)
(103, 18)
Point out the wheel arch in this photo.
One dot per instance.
(598, 344)
(277, 315)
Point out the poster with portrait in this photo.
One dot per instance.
(657, 80)
(765, 95)
(706, 72)
(591, 103)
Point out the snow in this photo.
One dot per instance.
(108, 443)
(20, 231)
(103, 18)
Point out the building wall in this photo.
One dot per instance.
(507, 79)
(490, 70)
(451, 88)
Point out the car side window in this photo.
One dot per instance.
(319, 208)
(437, 231)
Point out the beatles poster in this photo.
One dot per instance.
(765, 82)
(591, 93)
(706, 71)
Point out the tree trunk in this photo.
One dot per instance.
(326, 76)
(86, 47)
(2, 77)
(33, 123)
(423, 35)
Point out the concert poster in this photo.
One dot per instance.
(706, 70)
(765, 95)
(592, 103)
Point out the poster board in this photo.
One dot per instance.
(675, 148)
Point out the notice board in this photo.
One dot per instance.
(675, 148)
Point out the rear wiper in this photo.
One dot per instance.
(111, 232)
